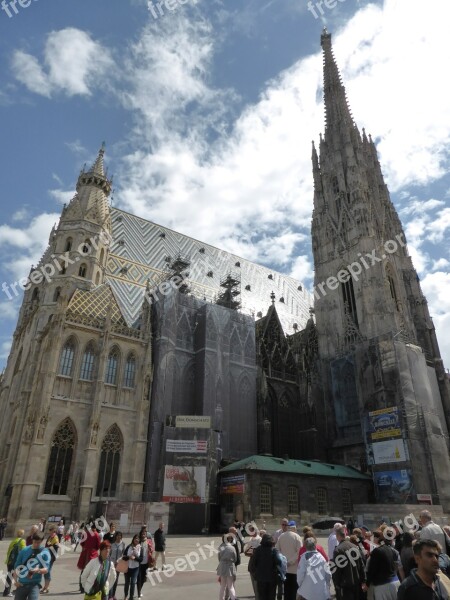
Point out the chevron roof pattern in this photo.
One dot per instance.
(142, 251)
(98, 302)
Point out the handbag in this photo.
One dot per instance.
(122, 566)
(97, 596)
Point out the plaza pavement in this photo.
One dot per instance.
(199, 584)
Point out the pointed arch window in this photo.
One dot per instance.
(111, 367)
(61, 452)
(82, 270)
(57, 294)
(87, 364)
(108, 472)
(68, 246)
(130, 372)
(102, 255)
(348, 293)
(235, 346)
(67, 357)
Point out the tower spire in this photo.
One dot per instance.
(338, 116)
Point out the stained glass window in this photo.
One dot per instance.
(62, 446)
(109, 463)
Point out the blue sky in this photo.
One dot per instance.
(208, 113)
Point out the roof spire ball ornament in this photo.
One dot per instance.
(272, 297)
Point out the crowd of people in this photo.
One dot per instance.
(389, 563)
(104, 556)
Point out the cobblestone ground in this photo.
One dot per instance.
(178, 582)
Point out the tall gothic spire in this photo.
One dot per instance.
(338, 117)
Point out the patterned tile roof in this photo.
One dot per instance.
(142, 250)
(96, 304)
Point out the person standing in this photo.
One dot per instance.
(90, 546)
(349, 574)
(424, 582)
(384, 571)
(430, 530)
(313, 576)
(3, 526)
(16, 545)
(226, 569)
(61, 530)
(160, 546)
(28, 579)
(110, 534)
(147, 550)
(289, 544)
(99, 574)
(133, 554)
(332, 541)
(53, 544)
(283, 527)
(29, 538)
(117, 551)
(249, 549)
(265, 562)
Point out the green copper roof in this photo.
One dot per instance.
(301, 467)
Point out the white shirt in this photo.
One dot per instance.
(289, 544)
(136, 550)
(432, 531)
(332, 543)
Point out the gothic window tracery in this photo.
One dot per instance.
(108, 472)
(62, 447)
(67, 358)
(111, 367)
(130, 372)
(184, 332)
(87, 364)
(235, 346)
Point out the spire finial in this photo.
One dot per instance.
(272, 297)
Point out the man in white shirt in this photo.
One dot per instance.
(332, 541)
(278, 532)
(430, 530)
(289, 544)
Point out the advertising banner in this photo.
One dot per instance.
(187, 446)
(191, 421)
(184, 484)
(383, 423)
(393, 486)
(389, 451)
(234, 484)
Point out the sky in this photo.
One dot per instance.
(208, 111)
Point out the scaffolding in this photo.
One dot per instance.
(230, 297)
(179, 268)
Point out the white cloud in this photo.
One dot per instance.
(21, 214)
(5, 348)
(62, 196)
(302, 268)
(73, 63)
(436, 287)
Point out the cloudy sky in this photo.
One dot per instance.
(208, 112)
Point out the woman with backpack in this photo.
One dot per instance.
(133, 555)
(17, 544)
(52, 543)
(98, 575)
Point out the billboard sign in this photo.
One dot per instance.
(383, 423)
(234, 484)
(184, 484)
(189, 421)
(389, 451)
(187, 446)
(393, 486)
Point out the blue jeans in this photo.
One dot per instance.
(130, 581)
(27, 592)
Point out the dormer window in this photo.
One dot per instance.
(82, 270)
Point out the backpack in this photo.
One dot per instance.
(14, 554)
(281, 565)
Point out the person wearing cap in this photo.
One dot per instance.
(332, 541)
(31, 563)
(289, 544)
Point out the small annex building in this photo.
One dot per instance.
(266, 489)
